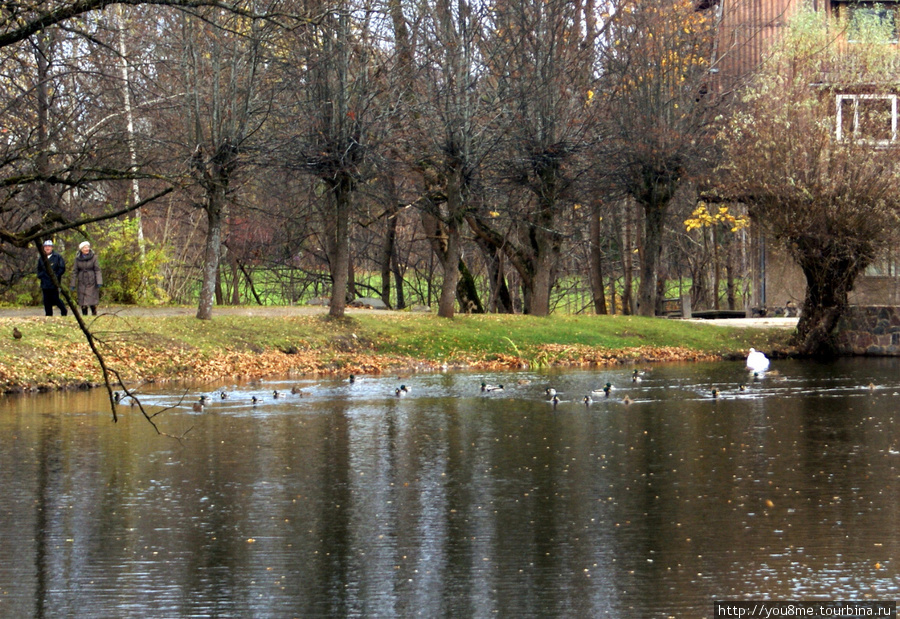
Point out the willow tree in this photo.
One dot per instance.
(812, 153)
(658, 129)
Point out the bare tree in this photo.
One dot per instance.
(542, 66)
(334, 70)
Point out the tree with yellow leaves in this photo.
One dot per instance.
(660, 111)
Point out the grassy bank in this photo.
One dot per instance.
(52, 352)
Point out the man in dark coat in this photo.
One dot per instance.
(48, 288)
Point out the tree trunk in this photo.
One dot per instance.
(627, 270)
(597, 285)
(450, 267)
(654, 217)
(717, 269)
(537, 299)
(828, 283)
(215, 206)
(467, 292)
(500, 301)
(445, 242)
(338, 241)
(387, 253)
(729, 274)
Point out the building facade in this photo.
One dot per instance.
(747, 30)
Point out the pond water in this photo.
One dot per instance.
(448, 501)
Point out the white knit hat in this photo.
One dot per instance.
(83, 244)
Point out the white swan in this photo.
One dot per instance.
(757, 361)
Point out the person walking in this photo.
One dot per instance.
(48, 288)
(87, 278)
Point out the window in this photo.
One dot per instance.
(870, 16)
(867, 118)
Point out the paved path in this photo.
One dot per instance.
(759, 323)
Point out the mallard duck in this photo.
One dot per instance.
(636, 377)
(223, 395)
(757, 361)
(742, 388)
(492, 388)
(17, 335)
(297, 391)
(550, 391)
(116, 396)
(204, 399)
(714, 393)
(277, 394)
(400, 391)
(523, 381)
(606, 390)
(254, 400)
(587, 400)
(351, 379)
(198, 405)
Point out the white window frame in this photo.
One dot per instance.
(850, 5)
(854, 120)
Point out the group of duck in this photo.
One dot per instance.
(553, 394)
(757, 362)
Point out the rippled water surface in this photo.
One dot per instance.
(451, 502)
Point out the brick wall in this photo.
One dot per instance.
(870, 330)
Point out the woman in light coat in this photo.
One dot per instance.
(87, 278)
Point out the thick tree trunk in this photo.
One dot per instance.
(445, 243)
(338, 236)
(828, 284)
(654, 217)
(537, 299)
(215, 206)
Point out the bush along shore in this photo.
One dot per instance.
(38, 353)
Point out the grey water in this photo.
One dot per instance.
(349, 501)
